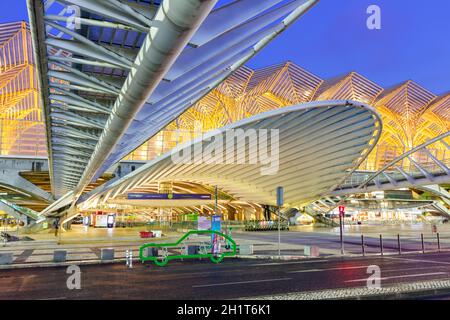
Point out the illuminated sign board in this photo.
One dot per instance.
(168, 196)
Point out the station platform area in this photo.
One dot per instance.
(86, 244)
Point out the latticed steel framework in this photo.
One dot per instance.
(319, 145)
(411, 114)
(114, 73)
(21, 125)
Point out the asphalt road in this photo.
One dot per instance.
(233, 278)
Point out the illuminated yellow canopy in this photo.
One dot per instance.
(21, 125)
(411, 114)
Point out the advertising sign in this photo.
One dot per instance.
(216, 225)
(189, 217)
(280, 196)
(101, 221)
(168, 196)
(203, 223)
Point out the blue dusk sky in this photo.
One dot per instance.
(332, 39)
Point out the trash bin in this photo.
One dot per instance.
(193, 249)
(6, 258)
(311, 251)
(60, 256)
(107, 254)
(152, 252)
(246, 249)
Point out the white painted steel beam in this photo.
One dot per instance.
(132, 68)
(303, 180)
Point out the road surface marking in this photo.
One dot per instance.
(403, 276)
(358, 267)
(308, 270)
(239, 282)
(419, 260)
(329, 269)
(283, 263)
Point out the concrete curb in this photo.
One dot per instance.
(118, 260)
(98, 261)
(271, 257)
(238, 256)
(334, 256)
(63, 264)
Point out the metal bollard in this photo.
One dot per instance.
(423, 245)
(381, 244)
(362, 246)
(399, 244)
(438, 242)
(130, 264)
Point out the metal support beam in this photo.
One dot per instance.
(177, 22)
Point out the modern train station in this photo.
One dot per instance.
(383, 151)
(126, 120)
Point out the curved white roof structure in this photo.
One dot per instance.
(114, 73)
(319, 145)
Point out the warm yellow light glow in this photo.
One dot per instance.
(411, 114)
(21, 125)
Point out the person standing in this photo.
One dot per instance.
(56, 226)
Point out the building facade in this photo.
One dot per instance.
(411, 114)
(21, 123)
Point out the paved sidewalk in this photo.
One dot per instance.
(85, 245)
(40, 253)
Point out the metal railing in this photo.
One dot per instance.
(409, 166)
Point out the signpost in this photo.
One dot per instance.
(341, 226)
(216, 192)
(280, 202)
(216, 225)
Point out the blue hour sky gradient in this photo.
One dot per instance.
(332, 39)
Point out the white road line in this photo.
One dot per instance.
(409, 269)
(239, 282)
(283, 263)
(403, 276)
(329, 269)
(308, 270)
(359, 267)
(419, 260)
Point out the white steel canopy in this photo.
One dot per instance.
(113, 73)
(319, 145)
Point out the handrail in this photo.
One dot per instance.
(406, 154)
